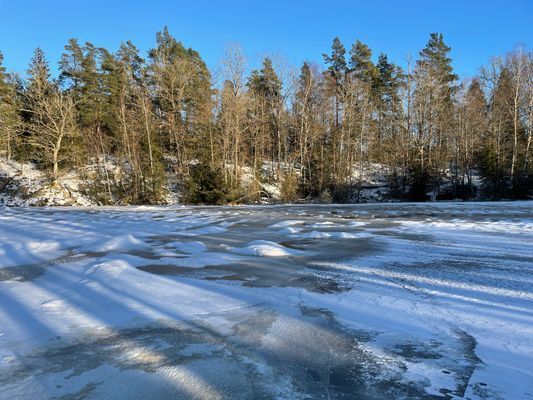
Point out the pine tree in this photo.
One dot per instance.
(122, 75)
(385, 88)
(265, 82)
(386, 82)
(79, 70)
(336, 62)
(3, 78)
(337, 69)
(361, 65)
(434, 59)
(182, 85)
(9, 112)
(265, 86)
(435, 85)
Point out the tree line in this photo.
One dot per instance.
(315, 130)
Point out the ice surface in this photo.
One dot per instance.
(381, 301)
(329, 234)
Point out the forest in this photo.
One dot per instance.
(138, 120)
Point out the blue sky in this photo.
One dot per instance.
(300, 30)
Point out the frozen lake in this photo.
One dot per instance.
(386, 301)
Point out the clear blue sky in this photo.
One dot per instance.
(301, 30)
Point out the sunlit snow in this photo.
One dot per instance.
(395, 301)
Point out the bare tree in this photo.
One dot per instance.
(232, 109)
(53, 120)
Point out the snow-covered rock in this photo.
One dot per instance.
(265, 248)
(21, 184)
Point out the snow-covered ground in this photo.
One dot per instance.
(21, 184)
(389, 301)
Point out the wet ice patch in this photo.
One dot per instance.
(136, 261)
(204, 259)
(265, 248)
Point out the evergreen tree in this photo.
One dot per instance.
(337, 69)
(435, 85)
(265, 82)
(265, 86)
(182, 85)
(386, 82)
(3, 79)
(434, 60)
(385, 88)
(79, 70)
(9, 112)
(39, 84)
(361, 65)
(336, 62)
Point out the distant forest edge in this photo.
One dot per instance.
(143, 121)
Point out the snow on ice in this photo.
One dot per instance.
(398, 301)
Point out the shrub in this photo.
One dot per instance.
(289, 188)
(205, 185)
